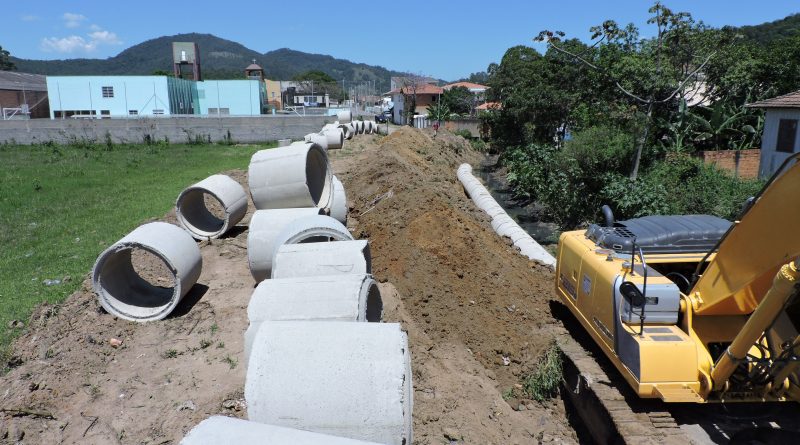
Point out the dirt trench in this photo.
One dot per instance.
(477, 315)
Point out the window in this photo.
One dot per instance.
(133, 112)
(159, 111)
(212, 111)
(787, 134)
(108, 91)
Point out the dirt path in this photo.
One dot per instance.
(477, 316)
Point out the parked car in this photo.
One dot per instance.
(384, 117)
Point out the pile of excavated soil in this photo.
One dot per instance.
(477, 312)
(477, 315)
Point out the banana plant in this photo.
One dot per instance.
(679, 130)
(722, 125)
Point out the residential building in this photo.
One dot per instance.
(397, 82)
(477, 89)
(23, 95)
(426, 95)
(780, 137)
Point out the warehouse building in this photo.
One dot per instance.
(103, 97)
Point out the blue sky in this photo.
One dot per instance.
(444, 39)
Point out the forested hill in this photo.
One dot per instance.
(771, 31)
(220, 58)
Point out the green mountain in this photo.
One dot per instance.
(767, 32)
(220, 59)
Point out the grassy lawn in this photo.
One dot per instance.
(60, 206)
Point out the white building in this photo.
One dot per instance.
(780, 138)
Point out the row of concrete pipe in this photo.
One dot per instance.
(321, 367)
(502, 224)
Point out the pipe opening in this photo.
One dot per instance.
(202, 213)
(137, 282)
(374, 309)
(317, 176)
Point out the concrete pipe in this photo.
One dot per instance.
(290, 177)
(317, 138)
(284, 142)
(338, 205)
(265, 225)
(381, 129)
(334, 138)
(353, 297)
(310, 229)
(359, 127)
(221, 430)
(124, 292)
(502, 224)
(344, 117)
(346, 379)
(198, 219)
(316, 259)
(348, 130)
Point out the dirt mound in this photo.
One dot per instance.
(477, 312)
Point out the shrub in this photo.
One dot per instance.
(543, 383)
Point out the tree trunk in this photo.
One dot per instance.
(641, 141)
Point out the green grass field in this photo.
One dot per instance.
(60, 206)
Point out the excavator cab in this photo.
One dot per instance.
(694, 308)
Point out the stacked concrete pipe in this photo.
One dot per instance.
(194, 216)
(265, 225)
(337, 208)
(221, 430)
(502, 224)
(290, 177)
(348, 130)
(353, 297)
(345, 379)
(344, 117)
(315, 259)
(124, 293)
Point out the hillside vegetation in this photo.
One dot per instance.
(220, 58)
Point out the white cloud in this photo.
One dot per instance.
(69, 44)
(104, 37)
(77, 44)
(29, 18)
(94, 27)
(72, 20)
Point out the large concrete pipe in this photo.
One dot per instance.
(337, 208)
(317, 138)
(265, 225)
(310, 229)
(349, 130)
(345, 379)
(315, 259)
(359, 127)
(334, 137)
(119, 285)
(382, 129)
(369, 127)
(344, 116)
(353, 297)
(198, 219)
(290, 177)
(221, 430)
(502, 224)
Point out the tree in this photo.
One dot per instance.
(5, 61)
(651, 74)
(409, 86)
(314, 75)
(459, 100)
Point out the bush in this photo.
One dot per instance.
(543, 383)
(573, 183)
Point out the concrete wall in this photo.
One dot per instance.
(742, 163)
(238, 97)
(771, 159)
(176, 129)
(471, 125)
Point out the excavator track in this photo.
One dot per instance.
(609, 416)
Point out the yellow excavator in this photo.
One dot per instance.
(694, 308)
